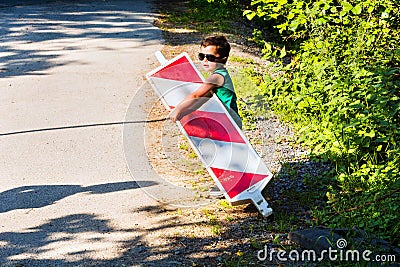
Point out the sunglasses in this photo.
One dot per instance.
(209, 57)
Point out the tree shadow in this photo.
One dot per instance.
(243, 231)
(299, 185)
(28, 26)
(236, 234)
(29, 197)
(79, 235)
(57, 235)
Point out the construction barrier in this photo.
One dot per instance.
(232, 162)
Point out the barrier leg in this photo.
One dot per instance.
(261, 204)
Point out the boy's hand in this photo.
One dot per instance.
(187, 105)
(174, 115)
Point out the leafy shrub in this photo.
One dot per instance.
(341, 91)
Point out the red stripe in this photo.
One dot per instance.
(235, 182)
(179, 70)
(212, 125)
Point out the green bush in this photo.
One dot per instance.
(341, 90)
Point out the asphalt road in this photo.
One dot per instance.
(68, 72)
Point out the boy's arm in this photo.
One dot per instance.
(197, 98)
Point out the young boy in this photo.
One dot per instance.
(214, 52)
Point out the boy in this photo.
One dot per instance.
(214, 52)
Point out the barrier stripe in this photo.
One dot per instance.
(179, 70)
(212, 125)
(173, 92)
(229, 156)
(236, 182)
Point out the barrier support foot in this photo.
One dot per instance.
(262, 205)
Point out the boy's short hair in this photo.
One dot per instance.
(223, 47)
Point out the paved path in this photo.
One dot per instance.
(68, 71)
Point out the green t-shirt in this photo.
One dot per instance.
(226, 93)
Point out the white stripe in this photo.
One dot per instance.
(173, 92)
(229, 156)
(214, 105)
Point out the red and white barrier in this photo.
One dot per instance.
(224, 150)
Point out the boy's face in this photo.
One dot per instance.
(207, 64)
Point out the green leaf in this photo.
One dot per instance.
(274, 16)
(371, 39)
(370, 134)
(347, 7)
(249, 14)
(357, 9)
(294, 25)
(283, 52)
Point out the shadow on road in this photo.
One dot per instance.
(27, 30)
(57, 235)
(69, 234)
(29, 197)
(81, 126)
(232, 234)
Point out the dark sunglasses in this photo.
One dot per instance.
(209, 57)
